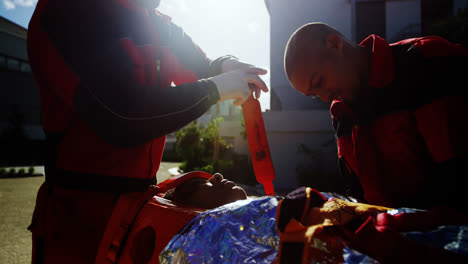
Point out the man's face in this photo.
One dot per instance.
(326, 73)
(214, 192)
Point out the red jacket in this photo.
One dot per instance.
(104, 70)
(405, 139)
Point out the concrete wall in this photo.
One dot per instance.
(230, 128)
(13, 46)
(403, 19)
(296, 119)
(286, 132)
(12, 28)
(285, 18)
(19, 93)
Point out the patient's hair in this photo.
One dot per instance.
(183, 191)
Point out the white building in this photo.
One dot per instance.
(230, 129)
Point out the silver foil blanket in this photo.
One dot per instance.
(245, 232)
(240, 232)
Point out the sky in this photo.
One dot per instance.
(220, 27)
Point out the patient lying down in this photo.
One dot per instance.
(207, 194)
(307, 226)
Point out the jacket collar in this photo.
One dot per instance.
(382, 69)
(382, 72)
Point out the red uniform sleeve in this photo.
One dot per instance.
(123, 93)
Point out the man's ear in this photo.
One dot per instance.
(334, 42)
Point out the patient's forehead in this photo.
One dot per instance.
(193, 183)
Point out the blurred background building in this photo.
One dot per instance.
(20, 126)
(19, 93)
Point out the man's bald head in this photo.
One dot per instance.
(320, 61)
(305, 42)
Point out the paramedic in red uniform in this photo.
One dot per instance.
(399, 112)
(115, 76)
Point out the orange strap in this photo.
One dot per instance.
(125, 212)
(258, 144)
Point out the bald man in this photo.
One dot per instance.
(399, 112)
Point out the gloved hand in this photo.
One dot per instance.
(233, 64)
(236, 85)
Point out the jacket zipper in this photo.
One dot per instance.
(158, 72)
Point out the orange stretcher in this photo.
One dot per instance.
(143, 223)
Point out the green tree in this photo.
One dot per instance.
(196, 146)
(188, 146)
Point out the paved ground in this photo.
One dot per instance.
(17, 200)
(166, 170)
(162, 174)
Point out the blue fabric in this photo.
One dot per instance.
(240, 232)
(245, 232)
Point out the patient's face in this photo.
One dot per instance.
(210, 193)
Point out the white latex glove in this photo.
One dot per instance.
(236, 85)
(234, 64)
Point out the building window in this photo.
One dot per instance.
(14, 64)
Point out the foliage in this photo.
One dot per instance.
(188, 146)
(21, 172)
(454, 29)
(242, 172)
(16, 172)
(243, 132)
(196, 146)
